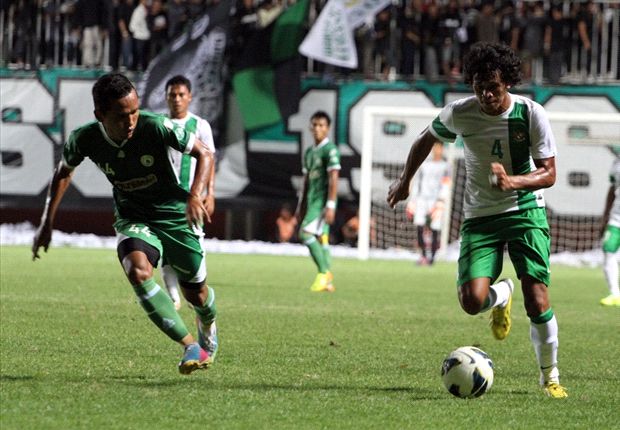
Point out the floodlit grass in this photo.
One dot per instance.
(77, 351)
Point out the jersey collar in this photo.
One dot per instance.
(323, 143)
(107, 138)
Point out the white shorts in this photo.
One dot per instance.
(425, 215)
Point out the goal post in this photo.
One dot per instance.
(403, 136)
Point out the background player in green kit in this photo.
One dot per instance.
(154, 215)
(611, 236)
(509, 157)
(178, 98)
(317, 205)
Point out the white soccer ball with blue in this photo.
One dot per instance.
(467, 372)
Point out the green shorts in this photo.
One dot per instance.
(313, 222)
(179, 245)
(611, 239)
(483, 239)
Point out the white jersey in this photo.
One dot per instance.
(431, 181)
(184, 165)
(515, 138)
(614, 177)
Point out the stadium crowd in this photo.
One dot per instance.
(564, 41)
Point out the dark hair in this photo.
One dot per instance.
(321, 114)
(110, 87)
(179, 80)
(484, 59)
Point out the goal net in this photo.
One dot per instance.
(574, 205)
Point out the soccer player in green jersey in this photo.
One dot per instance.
(509, 158)
(317, 205)
(611, 236)
(154, 215)
(178, 97)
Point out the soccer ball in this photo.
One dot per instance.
(467, 372)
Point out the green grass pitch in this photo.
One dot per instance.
(78, 352)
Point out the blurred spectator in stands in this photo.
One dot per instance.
(450, 25)
(350, 230)
(24, 35)
(469, 17)
(364, 43)
(382, 36)
(432, 41)
(487, 26)
(534, 23)
(177, 17)
(556, 43)
(90, 16)
(508, 25)
(158, 26)
(141, 36)
(588, 28)
(195, 9)
(125, 10)
(285, 225)
(114, 35)
(410, 18)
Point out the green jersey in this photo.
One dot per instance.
(145, 187)
(319, 160)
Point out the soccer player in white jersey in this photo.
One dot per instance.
(429, 191)
(509, 158)
(178, 98)
(611, 236)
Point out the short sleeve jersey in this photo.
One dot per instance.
(430, 180)
(144, 185)
(515, 138)
(184, 165)
(319, 160)
(614, 177)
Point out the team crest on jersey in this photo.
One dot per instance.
(147, 160)
(519, 136)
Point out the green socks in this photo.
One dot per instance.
(160, 309)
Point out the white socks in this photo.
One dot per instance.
(545, 341)
(610, 267)
(498, 295)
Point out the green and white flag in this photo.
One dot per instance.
(330, 39)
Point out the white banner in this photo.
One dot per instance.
(330, 39)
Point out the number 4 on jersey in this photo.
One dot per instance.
(497, 149)
(144, 230)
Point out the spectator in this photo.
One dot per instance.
(533, 42)
(409, 22)
(114, 35)
(177, 17)
(487, 28)
(158, 26)
(382, 51)
(450, 23)
(285, 225)
(588, 28)
(90, 16)
(508, 25)
(431, 41)
(141, 36)
(556, 43)
(125, 10)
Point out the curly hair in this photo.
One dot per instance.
(110, 87)
(484, 59)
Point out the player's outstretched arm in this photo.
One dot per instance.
(421, 147)
(56, 190)
(542, 177)
(195, 211)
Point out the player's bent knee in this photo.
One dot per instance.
(470, 303)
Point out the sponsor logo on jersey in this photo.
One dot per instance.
(147, 160)
(136, 183)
